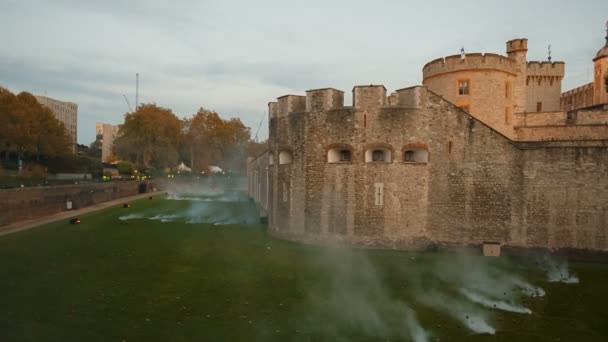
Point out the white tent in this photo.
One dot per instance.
(215, 169)
(182, 167)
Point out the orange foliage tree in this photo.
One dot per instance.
(149, 137)
(28, 128)
(212, 140)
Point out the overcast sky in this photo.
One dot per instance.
(236, 56)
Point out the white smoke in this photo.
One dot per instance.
(131, 216)
(557, 271)
(495, 304)
(473, 318)
(416, 331)
(356, 300)
(165, 218)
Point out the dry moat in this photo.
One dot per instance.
(189, 267)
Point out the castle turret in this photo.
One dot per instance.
(600, 81)
(517, 50)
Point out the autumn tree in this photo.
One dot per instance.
(28, 128)
(149, 137)
(212, 140)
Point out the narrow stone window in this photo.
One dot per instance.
(409, 156)
(539, 107)
(450, 147)
(378, 156)
(416, 155)
(379, 193)
(339, 155)
(285, 157)
(571, 116)
(345, 155)
(463, 87)
(507, 89)
(507, 115)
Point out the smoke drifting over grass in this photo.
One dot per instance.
(470, 289)
(208, 202)
(131, 216)
(354, 299)
(469, 315)
(492, 303)
(557, 270)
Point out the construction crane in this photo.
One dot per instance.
(258, 130)
(128, 104)
(136, 94)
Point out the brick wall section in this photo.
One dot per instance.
(477, 186)
(30, 203)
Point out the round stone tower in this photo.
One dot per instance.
(489, 86)
(600, 82)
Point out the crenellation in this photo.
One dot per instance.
(273, 109)
(412, 97)
(291, 104)
(545, 68)
(371, 96)
(470, 61)
(323, 99)
(517, 45)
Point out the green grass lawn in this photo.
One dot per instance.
(141, 279)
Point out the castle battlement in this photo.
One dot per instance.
(517, 45)
(471, 61)
(369, 96)
(324, 99)
(364, 97)
(545, 68)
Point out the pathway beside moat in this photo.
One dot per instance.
(33, 223)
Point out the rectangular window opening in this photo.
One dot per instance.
(463, 87)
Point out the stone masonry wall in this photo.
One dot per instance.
(30, 203)
(477, 185)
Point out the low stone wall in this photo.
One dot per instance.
(30, 203)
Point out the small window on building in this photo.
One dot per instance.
(339, 155)
(571, 116)
(285, 157)
(416, 155)
(539, 107)
(378, 155)
(507, 115)
(507, 89)
(463, 87)
(345, 155)
(409, 156)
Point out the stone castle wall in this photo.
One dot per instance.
(476, 184)
(31, 203)
(580, 97)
